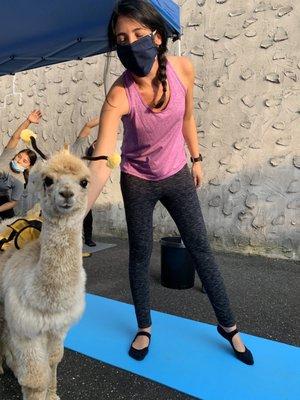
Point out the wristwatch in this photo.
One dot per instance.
(196, 159)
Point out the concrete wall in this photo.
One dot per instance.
(247, 107)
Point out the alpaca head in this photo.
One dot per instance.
(62, 184)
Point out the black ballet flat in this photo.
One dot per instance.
(139, 355)
(245, 356)
(90, 243)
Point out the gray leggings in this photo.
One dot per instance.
(178, 195)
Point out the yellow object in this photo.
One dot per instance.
(26, 134)
(5, 237)
(5, 246)
(20, 232)
(85, 255)
(114, 160)
(26, 235)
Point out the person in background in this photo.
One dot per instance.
(14, 170)
(80, 148)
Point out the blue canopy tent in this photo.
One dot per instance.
(36, 33)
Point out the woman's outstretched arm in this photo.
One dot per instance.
(114, 107)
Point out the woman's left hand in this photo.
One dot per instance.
(197, 174)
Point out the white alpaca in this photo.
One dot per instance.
(42, 286)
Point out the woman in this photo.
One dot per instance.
(154, 100)
(14, 169)
(77, 148)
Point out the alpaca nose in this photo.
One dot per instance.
(66, 194)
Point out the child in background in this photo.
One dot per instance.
(14, 170)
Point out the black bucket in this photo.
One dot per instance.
(177, 269)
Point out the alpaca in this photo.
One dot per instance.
(42, 286)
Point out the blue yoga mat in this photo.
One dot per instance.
(186, 355)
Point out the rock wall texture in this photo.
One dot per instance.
(247, 108)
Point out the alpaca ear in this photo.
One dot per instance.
(67, 147)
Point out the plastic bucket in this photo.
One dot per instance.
(177, 269)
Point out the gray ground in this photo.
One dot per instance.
(264, 294)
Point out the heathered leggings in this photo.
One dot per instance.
(178, 195)
(88, 226)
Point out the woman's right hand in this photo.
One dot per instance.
(114, 107)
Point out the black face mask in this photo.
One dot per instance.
(138, 57)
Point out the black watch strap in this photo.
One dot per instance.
(195, 159)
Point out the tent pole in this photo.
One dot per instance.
(179, 39)
(179, 47)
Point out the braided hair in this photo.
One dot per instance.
(162, 74)
(143, 12)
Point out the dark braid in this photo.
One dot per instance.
(162, 74)
(26, 177)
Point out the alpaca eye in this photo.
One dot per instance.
(83, 183)
(48, 181)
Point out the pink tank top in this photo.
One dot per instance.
(153, 143)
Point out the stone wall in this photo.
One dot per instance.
(247, 108)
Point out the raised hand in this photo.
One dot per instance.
(93, 122)
(34, 117)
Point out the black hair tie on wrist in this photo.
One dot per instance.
(91, 158)
(112, 161)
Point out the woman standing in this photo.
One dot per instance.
(14, 169)
(81, 148)
(154, 100)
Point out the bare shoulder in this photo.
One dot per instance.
(117, 97)
(117, 91)
(187, 65)
(118, 85)
(184, 68)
